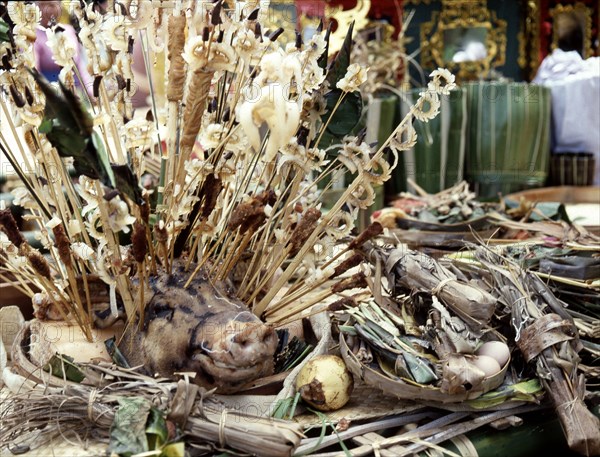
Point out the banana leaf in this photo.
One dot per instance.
(508, 144)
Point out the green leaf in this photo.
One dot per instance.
(419, 368)
(115, 353)
(62, 366)
(174, 450)
(157, 426)
(345, 118)
(342, 61)
(3, 32)
(69, 128)
(322, 62)
(128, 431)
(103, 158)
(127, 183)
(326, 422)
(282, 408)
(528, 391)
(45, 126)
(530, 387)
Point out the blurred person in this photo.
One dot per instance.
(566, 59)
(52, 14)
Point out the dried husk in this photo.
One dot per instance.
(176, 84)
(195, 105)
(11, 321)
(417, 272)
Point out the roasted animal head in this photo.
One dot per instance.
(200, 329)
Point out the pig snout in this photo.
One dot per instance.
(253, 343)
(241, 344)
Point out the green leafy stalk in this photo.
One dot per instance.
(4, 32)
(69, 128)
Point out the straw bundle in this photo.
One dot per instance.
(93, 412)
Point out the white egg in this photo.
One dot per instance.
(497, 350)
(487, 364)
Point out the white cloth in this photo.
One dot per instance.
(558, 65)
(575, 105)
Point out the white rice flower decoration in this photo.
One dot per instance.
(273, 104)
(205, 227)
(221, 56)
(212, 135)
(296, 154)
(379, 172)
(139, 133)
(316, 157)
(139, 13)
(93, 16)
(236, 141)
(442, 81)
(355, 76)
(63, 49)
(74, 227)
(362, 197)
(118, 215)
(123, 67)
(23, 198)
(196, 170)
(354, 156)
(185, 203)
(28, 115)
(405, 139)
(341, 225)
(83, 252)
(67, 77)
(319, 275)
(43, 237)
(24, 14)
(114, 29)
(315, 47)
(427, 106)
(245, 43)
(270, 68)
(54, 222)
(313, 76)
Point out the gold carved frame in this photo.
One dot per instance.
(358, 14)
(463, 14)
(584, 17)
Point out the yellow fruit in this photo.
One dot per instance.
(325, 383)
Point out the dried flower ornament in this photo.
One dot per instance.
(442, 81)
(354, 78)
(427, 106)
(63, 49)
